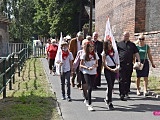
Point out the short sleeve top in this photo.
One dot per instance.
(89, 64)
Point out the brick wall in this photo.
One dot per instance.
(152, 15)
(140, 15)
(135, 16)
(121, 14)
(153, 40)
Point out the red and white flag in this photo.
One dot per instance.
(109, 35)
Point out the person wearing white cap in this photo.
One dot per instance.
(66, 66)
(74, 47)
(68, 38)
(51, 53)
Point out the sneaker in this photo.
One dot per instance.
(63, 98)
(90, 108)
(122, 98)
(138, 93)
(85, 102)
(110, 106)
(146, 94)
(69, 99)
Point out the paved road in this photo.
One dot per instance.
(136, 108)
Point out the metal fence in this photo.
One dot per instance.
(15, 47)
(39, 51)
(8, 68)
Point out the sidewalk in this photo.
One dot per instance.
(136, 108)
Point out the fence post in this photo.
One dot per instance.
(18, 64)
(13, 69)
(10, 73)
(4, 78)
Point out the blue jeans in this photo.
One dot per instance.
(65, 75)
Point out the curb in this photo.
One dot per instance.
(57, 103)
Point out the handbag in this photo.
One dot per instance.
(138, 65)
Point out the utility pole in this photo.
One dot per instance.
(90, 20)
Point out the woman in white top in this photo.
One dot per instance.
(89, 63)
(110, 59)
(80, 73)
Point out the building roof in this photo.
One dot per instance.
(93, 12)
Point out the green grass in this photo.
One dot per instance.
(153, 82)
(31, 98)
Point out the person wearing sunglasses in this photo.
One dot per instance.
(145, 54)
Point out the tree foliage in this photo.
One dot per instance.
(42, 17)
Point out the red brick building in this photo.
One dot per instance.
(135, 16)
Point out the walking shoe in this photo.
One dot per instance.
(90, 108)
(146, 94)
(63, 98)
(138, 93)
(122, 98)
(72, 83)
(110, 106)
(127, 96)
(85, 102)
(69, 99)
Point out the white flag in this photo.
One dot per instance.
(58, 58)
(109, 35)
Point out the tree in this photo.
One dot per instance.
(63, 15)
(43, 17)
(41, 23)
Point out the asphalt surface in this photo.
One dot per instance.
(135, 108)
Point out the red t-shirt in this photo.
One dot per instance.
(52, 51)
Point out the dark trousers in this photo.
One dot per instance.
(97, 80)
(51, 63)
(125, 74)
(110, 78)
(89, 80)
(78, 79)
(65, 75)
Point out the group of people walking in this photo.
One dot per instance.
(85, 58)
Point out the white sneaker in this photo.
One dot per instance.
(90, 108)
(85, 102)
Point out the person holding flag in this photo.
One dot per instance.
(66, 69)
(110, 60)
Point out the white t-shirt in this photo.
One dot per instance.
(109, 61)
(78, 45)
(66, 62)
(89, 64)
